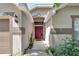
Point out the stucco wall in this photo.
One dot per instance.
(9, 7)
(16, 38)
(19, 41)
(62, 19)
(48, 36)
(48, 23)
(27, 24)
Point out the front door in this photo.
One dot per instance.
(38, 33)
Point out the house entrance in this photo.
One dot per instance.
(38, 33)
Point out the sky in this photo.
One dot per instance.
(30, 5)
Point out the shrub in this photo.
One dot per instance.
(67, 48)
(50, 49)
(31, 42)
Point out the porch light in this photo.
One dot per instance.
(16, 20)
(53, 11)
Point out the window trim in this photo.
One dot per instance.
(73, 18)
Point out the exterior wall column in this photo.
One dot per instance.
(16, 38)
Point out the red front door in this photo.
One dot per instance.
(38, 33)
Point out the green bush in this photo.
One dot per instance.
(31, 41)
(67, 48)
(50, 49)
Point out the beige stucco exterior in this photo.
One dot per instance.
(18, 41)
(63, 19)
(28, 25)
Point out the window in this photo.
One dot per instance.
(75, 25)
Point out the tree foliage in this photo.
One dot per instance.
(56, 5)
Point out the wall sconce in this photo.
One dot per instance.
(16, 20)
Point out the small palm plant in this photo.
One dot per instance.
(31, 41)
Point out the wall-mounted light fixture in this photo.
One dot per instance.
(16, 18)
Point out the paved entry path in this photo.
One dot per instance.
(36, 53)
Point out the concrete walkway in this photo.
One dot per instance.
(36, 53)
